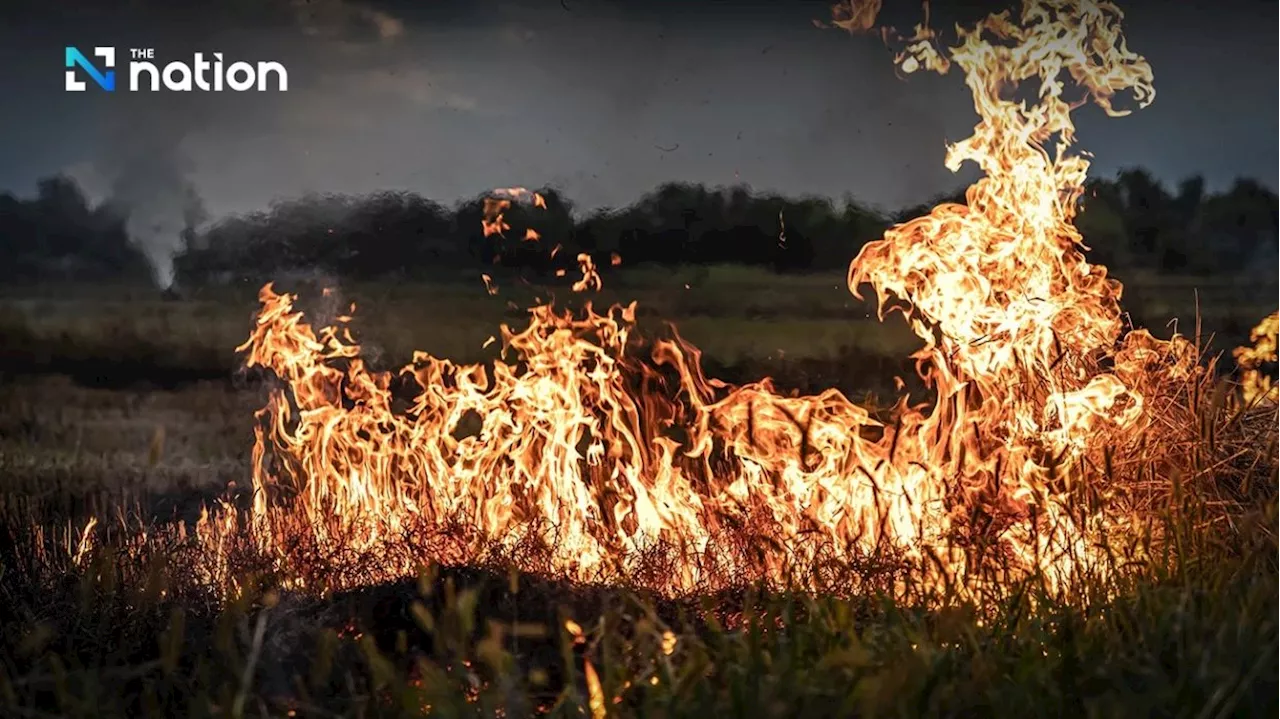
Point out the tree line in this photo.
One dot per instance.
(1132, 220)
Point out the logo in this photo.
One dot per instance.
(201, 74)
(105, 80)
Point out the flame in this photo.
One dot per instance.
(492, 221)
(86, 541)
(595, 693)
(1255, 386)
(856, 17)
(606, 455)
(590, 276)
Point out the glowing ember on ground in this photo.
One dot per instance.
(622, 464)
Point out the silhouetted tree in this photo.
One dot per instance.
(1131, 220)
(58, 235)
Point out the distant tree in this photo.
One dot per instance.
(59, 235)
(394, 233)
(1151, 220)
(1131, 220)
(1240, 226)
(923, 209)
(1101, 223)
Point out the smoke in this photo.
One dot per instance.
(144, 161)
(161, 207)
(143, 166)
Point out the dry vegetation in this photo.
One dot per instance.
(737, 315)
(1193, 631)
(1135, 577)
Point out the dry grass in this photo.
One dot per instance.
(737, 315)
(1191, 630)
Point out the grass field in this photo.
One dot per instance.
(736, 315)
(113, 392)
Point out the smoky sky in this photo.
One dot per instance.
(603, 100)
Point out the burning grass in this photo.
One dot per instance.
(614, 460)
(119, 619)
(1069, 487)
(114, 627)
(805, 331)
(809, 317)
(125, 618)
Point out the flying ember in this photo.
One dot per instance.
(622, 460)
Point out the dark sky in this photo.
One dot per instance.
(604, 99)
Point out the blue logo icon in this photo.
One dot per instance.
(105, 79)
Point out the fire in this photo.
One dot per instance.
(1255, 386)
(856, 17)
(493, 222)
(608, 455)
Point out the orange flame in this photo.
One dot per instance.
(1255, 386)
(86, 541)
(590, 276)
(595, 694)
(603, 454)
(493, 222)
(856, 16)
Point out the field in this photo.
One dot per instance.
(111, 392)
